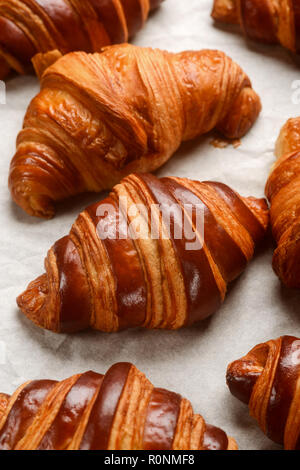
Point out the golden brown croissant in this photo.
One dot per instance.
(101, 117)
(268, 379)
(269, 21)
(28, 27)
(120, 410)
(282, 190)
(128, 260)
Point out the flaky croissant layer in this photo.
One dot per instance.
(120, 410)
(103, 116)
(157, 253)
(268, 379)
(282, 190)
(269, 21)
(29, 27)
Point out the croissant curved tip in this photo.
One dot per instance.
(42, 61)
(261, 210)
(42, 206)
(31, 302)
(225, 11)
(239, 383)
(243, 374)
(243, 114)
(37, 205)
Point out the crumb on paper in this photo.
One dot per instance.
(222, 143)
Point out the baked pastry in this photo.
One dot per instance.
(282, 190)
(101, 117)
(157, 253)
(120, 410)
(269, 21)
(268, 379)
(28, 27)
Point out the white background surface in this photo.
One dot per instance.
(191, 361)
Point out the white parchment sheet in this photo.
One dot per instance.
(190, 361)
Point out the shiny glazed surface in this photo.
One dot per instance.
(29, 27)
(268, 379)
(112, 272)
(118, 411)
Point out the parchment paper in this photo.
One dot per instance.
(190, 361)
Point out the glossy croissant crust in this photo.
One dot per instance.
(268, 379)
(282, 190)
(269, 21)
(103, 116)
(120, 410)
(29, 27)
(157, 253)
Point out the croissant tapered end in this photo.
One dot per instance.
(260, 209)
(38, 205)
(225, 11)
(33, 301)
(243, 114)
(42, 61)
(243, 374)
(241, 379)
(59, 300)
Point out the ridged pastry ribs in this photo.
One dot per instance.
(268, 379)
(105, 276)
(120, 410)
(29, 27)
(269, 21)
(282, 190)
(101, 117)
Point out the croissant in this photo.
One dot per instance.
(269, 21)
(28, 27)
(282, 190)
(268, 379)
(157, 253)
(120, 410)
(101, 117)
